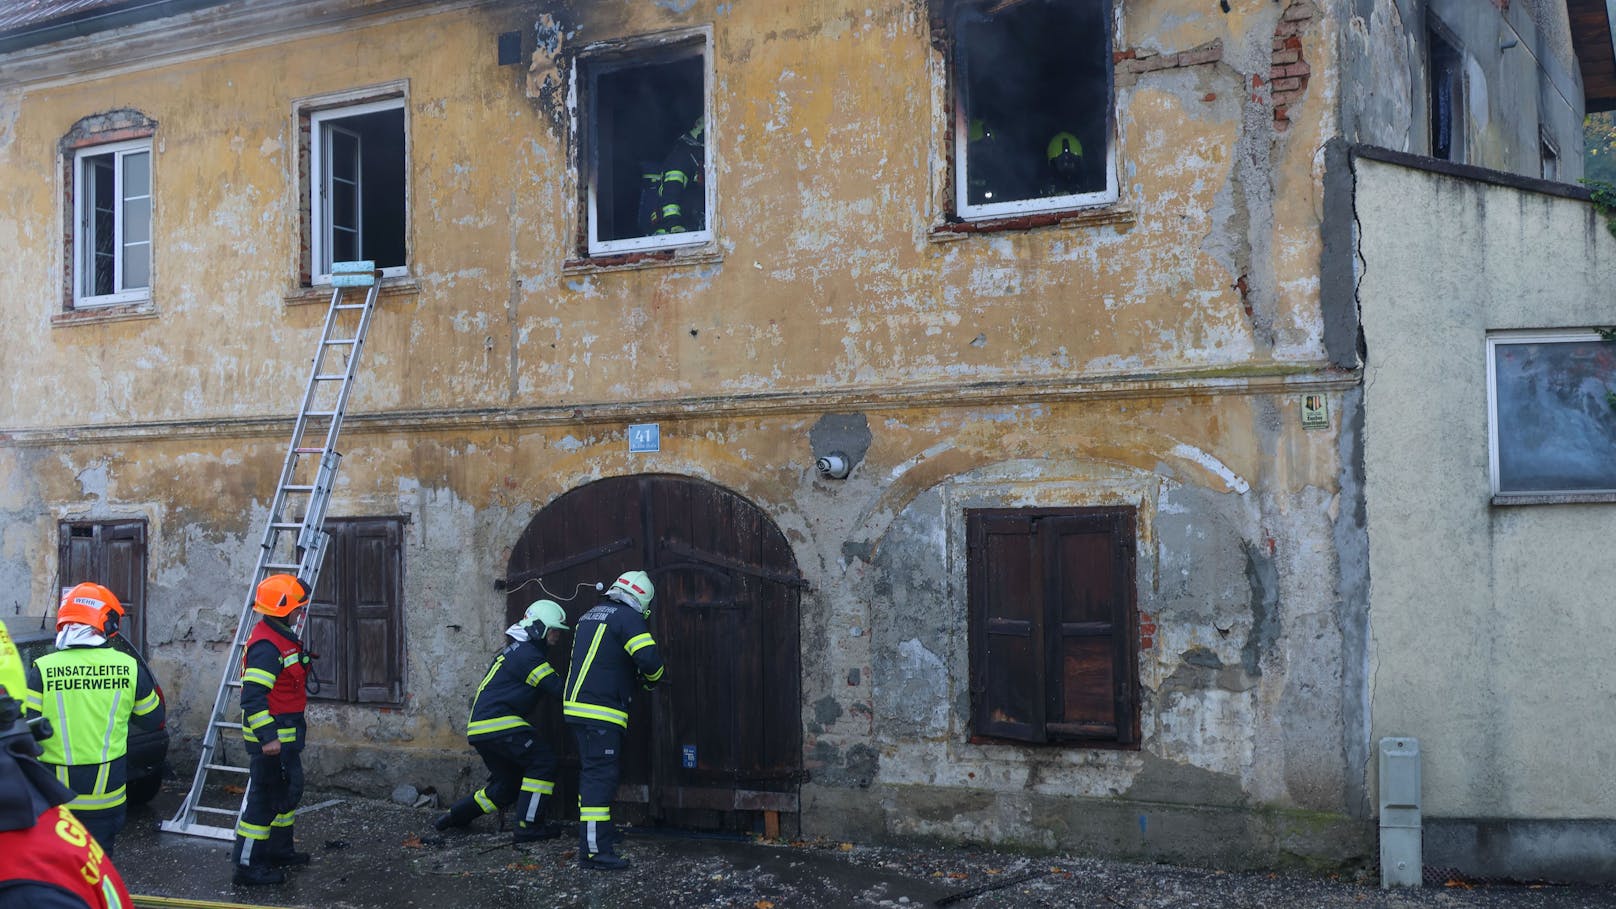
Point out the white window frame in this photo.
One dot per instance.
(962, 206)
(1494, 339)
(319, 208)
(665, 48)
(83, 277)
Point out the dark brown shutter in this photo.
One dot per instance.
(1089, 594)
(323, 633)
(1007, 639)
(111, 554)
(377, 641)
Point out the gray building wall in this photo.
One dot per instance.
(1491, 625)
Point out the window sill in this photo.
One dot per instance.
(705, 254)
(1560, 498)
(1064, 743)
(1088, 217)
(321, 293)
(116, 312)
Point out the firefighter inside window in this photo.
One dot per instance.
(650, 150)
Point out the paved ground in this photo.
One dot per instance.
(378, 854)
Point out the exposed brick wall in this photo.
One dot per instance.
(1147, 630)
(1288, 71)
(1136, 60)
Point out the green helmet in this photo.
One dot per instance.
(635, 586)
(545, 612)
(1063, 143)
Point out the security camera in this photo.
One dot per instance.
(834, 466)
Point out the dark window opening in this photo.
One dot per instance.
(1033, 90)
(1053, 625)
(1447, 99)
(356, 616)
(1549, 157)
(361, 212)
(649, 158)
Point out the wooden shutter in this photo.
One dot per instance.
(1007, 635)
(323, 633)
(111, 554)
(376, 639)
(1089, 587)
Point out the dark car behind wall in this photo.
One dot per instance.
(147, 761)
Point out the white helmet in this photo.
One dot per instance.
(635, 589)
(545, 612)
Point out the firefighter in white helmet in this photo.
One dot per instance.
(521, 765)
(612, 650)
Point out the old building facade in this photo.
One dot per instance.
(1087, 563)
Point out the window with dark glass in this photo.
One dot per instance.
(1032, 106)
(1447, 98)
(1552, 402)
(646, 165)
(356, 616)
(1053, 625)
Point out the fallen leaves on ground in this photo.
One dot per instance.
(412, 842)
(763, 904)
(1456, 883)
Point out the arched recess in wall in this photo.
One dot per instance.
(720, 741)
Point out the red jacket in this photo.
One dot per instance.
(58, 852)
(289, 668)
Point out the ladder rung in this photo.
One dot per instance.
(319, 413)
(287, 525)
(226, 767)
(226, 724)
(350, 306)
(330, 377)
(282, 565)
(343, 342)
(211, 810)
(303, 451)
(296, 487)
(233, 683)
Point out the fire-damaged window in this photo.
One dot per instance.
(356, 616)
(1447, 100)
(112, 223)
(645, 162)
(357, 192)
(1053, 625)
(1032, 106)
(1552, 407)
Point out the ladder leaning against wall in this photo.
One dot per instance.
(294, 539)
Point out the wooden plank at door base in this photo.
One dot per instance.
(771, 825)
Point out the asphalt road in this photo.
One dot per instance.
(370, 853)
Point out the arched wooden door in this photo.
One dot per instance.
(720, 740)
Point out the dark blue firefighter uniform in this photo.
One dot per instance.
(521, 766)
(612, 651)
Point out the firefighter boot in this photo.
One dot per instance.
(459, 814)
(257, 875)
(280, 853)
(604, 835)
(528, 833)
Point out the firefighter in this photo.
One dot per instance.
(48, 860)
(1063, 159)
(91, 692)
(521, 766)
(611, 649)
(274, 670)
(673, 194)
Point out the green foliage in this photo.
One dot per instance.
(1603, 195)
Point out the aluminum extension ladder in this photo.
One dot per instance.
(292, 544)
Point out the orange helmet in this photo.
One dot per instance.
(279, 594)
(92, 605)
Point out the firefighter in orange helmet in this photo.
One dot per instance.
(92, 692)
(274, 668)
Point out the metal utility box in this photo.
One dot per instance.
(1402, 850)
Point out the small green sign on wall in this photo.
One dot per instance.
(1315, 412)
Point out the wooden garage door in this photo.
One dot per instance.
(720, 740)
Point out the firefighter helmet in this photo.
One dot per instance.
(92, 605)
(279, 594)
(636, 587)
(547, 613)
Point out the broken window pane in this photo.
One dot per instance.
(1033, 84)
(649, 160)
